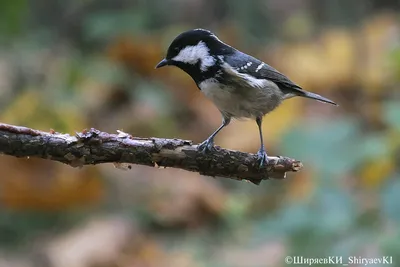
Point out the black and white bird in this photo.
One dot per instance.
(240, 85)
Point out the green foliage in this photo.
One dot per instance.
(339, 141)
(18, 229)
(102, 26)
(391, 114)
(13, 15)
(389, 200)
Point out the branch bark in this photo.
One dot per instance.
(95, 147)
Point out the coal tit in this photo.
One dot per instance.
(240, 85)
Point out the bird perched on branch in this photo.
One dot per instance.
(240, 85)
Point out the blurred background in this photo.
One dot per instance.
(71, 65)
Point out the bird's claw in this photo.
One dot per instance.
(262, 157)
(206, 146)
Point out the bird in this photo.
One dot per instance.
(241, 86)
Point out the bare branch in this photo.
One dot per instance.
(95, 147)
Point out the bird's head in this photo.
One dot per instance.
(194, 51)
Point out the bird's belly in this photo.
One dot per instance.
(241, 102)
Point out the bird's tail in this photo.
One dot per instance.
(317, 97)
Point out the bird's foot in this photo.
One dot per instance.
(207, 146)
(262, 157)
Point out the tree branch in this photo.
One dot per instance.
(95, 147)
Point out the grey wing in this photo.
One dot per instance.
(249, 65)
(265, 71)
(260, 71)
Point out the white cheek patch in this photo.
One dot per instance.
(192, 55)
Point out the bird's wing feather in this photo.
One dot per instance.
(249, 65)
(245, 64)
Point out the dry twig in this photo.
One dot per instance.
(95, 147)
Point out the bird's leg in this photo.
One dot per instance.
(261, 154)
(208, 144)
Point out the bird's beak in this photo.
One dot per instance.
(162, 63)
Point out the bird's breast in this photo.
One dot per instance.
(215, 91)
(240, 101)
